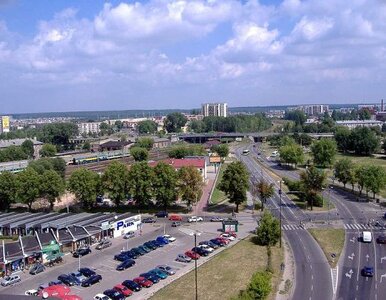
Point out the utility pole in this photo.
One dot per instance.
(195, 265)
(280, 192)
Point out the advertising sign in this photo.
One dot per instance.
(123, 226)
(5, 123)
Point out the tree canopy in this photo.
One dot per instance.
(115, 181)
(323, 152)
(147, 127)
(48, 150)
(8, 190)
(174, 122)
(268, 231)
(190, 185)
(139, 154)
(84, 184)
(52, 186)
(165, 184)
(145, 142)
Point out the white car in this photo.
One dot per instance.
(101, 297)
(31, 293)
(206, 247)
(169, 238)
(227, 236)
(195, 219)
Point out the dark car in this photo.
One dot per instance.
(87, 272)
(81, 252)
(130, 284)
(55, 282)
(121, 257)
(159, 273)
(162, 214)
(200, 251)
(149, 220)
(93, 279)
(162, 240)
(216, 219)
(158, 243)
(36, 269)
(138, 251)
(103, 244)
(125, 264)
(131, 254)
(149, 276)
(176, 223)
(144, 248)
(381, 239)
(150, 245)
(218, 242)
(68, 279)
(209, 243)
(367, 272)
(114, 294)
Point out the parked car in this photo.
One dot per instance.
(129, 235)
(143, 282)
(227, 236)
(87, 272)
(216, 219)
(183, 258)
(161, 274)
(192, 255)
(200, 251)
(162, 240)
(123, 290)
(81, 252)
(149, 220)
(132, 285)
(79, 276)
(167, 269)
(93, 279)
(51, 283)
(223, 240)
(103, 244)
(37, 268)
(101, 297)
(169, 237)
(114, 294)
(218, 242)
(125, 265)
(175, 218)
(139, 251)
(195, 219)
(162, 214)
(381, 239)
(206, 247)
(144, 248)
(157, 243)
(176, 223)
(131, 254)
(210, 244)
(9, 280)
(367, 271)
(31, 293)
(149, 276)
(150, 245)
(67, 279)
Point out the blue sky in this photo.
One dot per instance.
(105, 55)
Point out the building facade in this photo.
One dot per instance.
(4, 124)
(89, 127)
(351, 124)
(215, 109)
(314, 109)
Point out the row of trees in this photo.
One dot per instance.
(361, 140)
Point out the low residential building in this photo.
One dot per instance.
(18, 142)
(351, 124)
(160, 143)
(200, 163)
(115, 145)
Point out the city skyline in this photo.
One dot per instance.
(121, 55)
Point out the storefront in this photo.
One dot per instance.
(120, 227)
(33, 258)
(51, 252)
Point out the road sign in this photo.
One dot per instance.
(382, 276)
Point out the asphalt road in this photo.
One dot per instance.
(313, 277)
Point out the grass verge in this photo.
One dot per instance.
(331, 241)
(219, 196)
(225, 275)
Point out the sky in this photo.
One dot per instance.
(74, 55)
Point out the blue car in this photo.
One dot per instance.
(161, 274)
(130, 284)
(125, 264)
(150, 246)
(131, 254)
(121, 257)
(144, 248)
(368, 271)
(149, 276)
(114, 294)
(217, 242)
(157, 243)
(162, 240)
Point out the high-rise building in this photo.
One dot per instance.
(314, 109)
(4, 124)
(215, 109)
(89, 127)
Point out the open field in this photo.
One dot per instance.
(331, 241)
(228, 272)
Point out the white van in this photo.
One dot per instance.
(275, 153)
(367, 237)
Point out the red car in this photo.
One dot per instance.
(232, 234)
(124, 290)
(142, 281)
(224, 241)
(192, 255)
(175, 218)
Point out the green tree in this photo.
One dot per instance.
(86, 146)
(57, 164)
(28, 148)
(146, 143)
(361, 177)
(343, 138)
(28, 187)
(174, 121)
(141, 178)
(260, 286)
(190, 185)
(139, 154)
(235, 183)
(324, 152)
(222, 150)
(48, 150)
(115, 181)
(297, 116)
(197, 126)
(84, 184)
(165, 184)
(52, 186)
(182, 151)
(147, 127)
(118, 124)
(364, 114)
(375, 179)
(8, 190)
(291, 154)
(265, 191)
(364, 141)
(344, 170)
(313, 181)
(268, 231)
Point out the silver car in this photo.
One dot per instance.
(167, 269)
(9, 280)
(183, 258)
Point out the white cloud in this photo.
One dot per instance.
(312, 30)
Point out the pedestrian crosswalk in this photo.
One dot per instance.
(291, 227)
(357, 226)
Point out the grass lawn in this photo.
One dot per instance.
(225, 275)
(331, 241)
(219, 196)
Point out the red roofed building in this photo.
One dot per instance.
(198, 163)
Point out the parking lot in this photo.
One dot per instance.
(103, 263)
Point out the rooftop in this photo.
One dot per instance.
(184, 162)
(17, 142)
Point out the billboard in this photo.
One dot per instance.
(5, 123)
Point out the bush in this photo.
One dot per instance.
(259, 287)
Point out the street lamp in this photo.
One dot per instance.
(280, 192)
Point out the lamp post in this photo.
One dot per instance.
(280, 192)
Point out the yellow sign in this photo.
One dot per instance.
(5, 123)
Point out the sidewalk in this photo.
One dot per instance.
(202, 205)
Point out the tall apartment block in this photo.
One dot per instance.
(215, 109)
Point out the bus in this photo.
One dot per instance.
(245, 152)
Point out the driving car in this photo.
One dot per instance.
(101, 297)
(103, 244)
(129, 235)
(183, 258)
(367, 271)
(68, 279)
(216, 219)
(195, 219)
(162, 214)
(9, 280)
(227, 236)
(167, 269)
(37, 268)
(81, 252)
(381, 239)
(86, 272)
(192, 255)
(143, 282)
(169, 237)
(144, 248)
(125, 265)
(149, 220)
(123, 290)
(93, 279)
(175, 218)
(149, 276)
(176, 223)
(206, 247)
(114, 294)
(200, 251)
(31, 293)
(161, 274)
(132, 285)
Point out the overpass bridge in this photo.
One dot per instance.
(204, 137)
